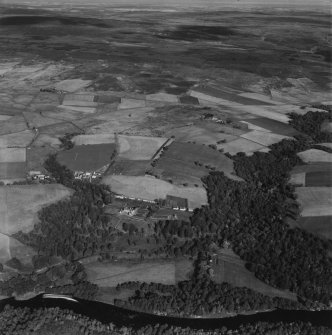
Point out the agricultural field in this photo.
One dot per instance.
(112, 274)
(12, 155)
(150, 188)
(19, 204)
(20, 139)
(315, 201)
(93, 139)
(129, 167)
(72, 85)
(10, 248)
(138, 147)
(228, 267)
(315, 156)
(263, 138)
(200, 133)
(12, 171)
(90, 157)
(318, 225)
(240, 145)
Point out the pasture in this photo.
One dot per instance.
(315, 201)
(201, 133)
(72, 85)
(37, 120)
(15, 124)
(317, 225)
(94, 139)
(127, 103)
(205, 155)
(112, 274)
(19, 204)
(240, 145)
(263, 138)
(164, 97)
(10, 248)
(319, 178)
(228, 267)
(20, 139)
(89, 157)
(12, 155)
(13, 170)
(150, 188)
(139, 147)
(274, 126)
(179, 171)
(129, 167)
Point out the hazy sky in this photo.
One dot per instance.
(181, 3)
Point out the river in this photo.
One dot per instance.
(108, 313)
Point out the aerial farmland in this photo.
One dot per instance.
(172, 163)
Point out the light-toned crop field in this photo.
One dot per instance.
(315, 156)
(94, 139)
(12, 155)
(111, 274)
(254, 127)
(68, 114)
(72, 85)
(21, 139)
(315, 201)
(263, 138)
(240, 145)
(139, 147)
(79, 103)
(19, 204)
(150, 188)
(260, 97)
(164, 97)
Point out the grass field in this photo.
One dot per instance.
(72, 85)
(20, 139)
(14, 170)
(298, 179)
(37, 120)
(12, 155)
(94, 139)
(111, 274)
(179, 171)
(13, 125)
(37, 155)
(274, 126)
(162, 97)
(230, 268)
(46, 140)
(317, 225)
(10, 247)
(150, 188)
(139, 147)
(19, 204)
(190, 153)
(315, 156)
(200, 133)
(240, 145)
(130, 168)
(131, 103)
(87, 157)
(315, 201)
(263, 138)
